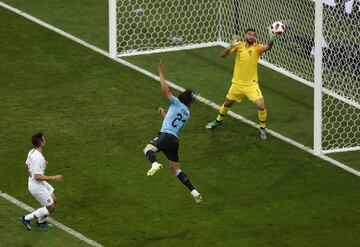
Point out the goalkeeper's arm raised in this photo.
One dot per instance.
(235, 40)
(270, 42)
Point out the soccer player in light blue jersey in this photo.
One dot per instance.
(167, 140)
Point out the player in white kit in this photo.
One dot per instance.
(38, 185)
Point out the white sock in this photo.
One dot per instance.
(154, 164)
(39, 213)
(194, 193)
(178, 171)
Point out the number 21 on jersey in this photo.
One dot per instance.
(178, 119)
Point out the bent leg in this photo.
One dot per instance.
(149, 152)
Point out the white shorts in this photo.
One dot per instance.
(42, 193)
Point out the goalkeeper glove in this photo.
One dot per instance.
(235, 40)
(272, 36)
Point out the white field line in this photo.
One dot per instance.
(173, 85)
(177, 48)
(287, 73)
(337, 150)
(52, 221)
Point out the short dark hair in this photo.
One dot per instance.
(186, 97)
(250, 29)
(37, 139)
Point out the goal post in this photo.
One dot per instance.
(112, 29)
(318, 77)
(320, 47)
(340, 76)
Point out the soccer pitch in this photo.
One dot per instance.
(97, 116)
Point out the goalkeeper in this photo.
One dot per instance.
(245, 77)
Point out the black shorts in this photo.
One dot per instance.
(168, 144)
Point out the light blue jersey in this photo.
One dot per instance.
(176, 117)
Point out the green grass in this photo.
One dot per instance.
(85, 19)
(13, 235)
(290, 104)
(210, 76)
(98, 115)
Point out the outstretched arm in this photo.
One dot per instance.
(268, 46)
(164, 86)
(225, 53)
(271, 40)
(39, 177)
(235, 40)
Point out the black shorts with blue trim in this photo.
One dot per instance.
(168, 144)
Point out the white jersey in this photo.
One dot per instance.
(36, 165)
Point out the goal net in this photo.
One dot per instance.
(341, 77)
(146, 26)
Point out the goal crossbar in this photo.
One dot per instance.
(313, 53)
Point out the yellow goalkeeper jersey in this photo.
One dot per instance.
(245, 69)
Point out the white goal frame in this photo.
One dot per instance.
(318, 68)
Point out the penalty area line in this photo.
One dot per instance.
(173, 85)
(52, 221)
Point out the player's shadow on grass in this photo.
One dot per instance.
(180, 235)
